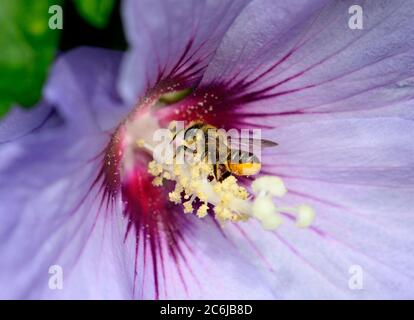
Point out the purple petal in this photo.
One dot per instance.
(172, 39)
(358, 176)
(20, 122)
(206, 266)
(43, 179)
(49, 209)
(300, 58)
(82, 85)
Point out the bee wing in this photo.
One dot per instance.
(248, 144)
(267, 143)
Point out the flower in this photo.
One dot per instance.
(76, 191)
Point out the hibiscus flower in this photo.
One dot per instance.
(77, 185)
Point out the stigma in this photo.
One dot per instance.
(199, 193)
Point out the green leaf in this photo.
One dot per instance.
(28, 47)
(96, 12)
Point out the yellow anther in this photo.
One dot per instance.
(225, 198)
(177, 170)
(202, 196)
(155, 168)
(195, 172)
(166, 175)
(194, 184)
(202, 211)
(157, 181)
(183, 181)
(174, 197)
(188, 207)
(217, 187)
(223, 213)
(242, 193)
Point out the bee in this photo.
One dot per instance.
(217, 147)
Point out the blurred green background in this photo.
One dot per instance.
(28, 46)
